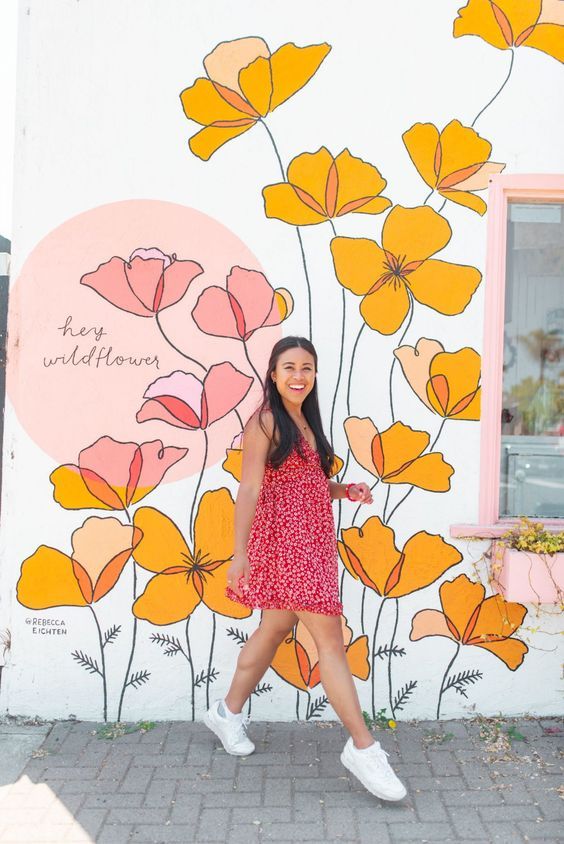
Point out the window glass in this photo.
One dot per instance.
(532, 422)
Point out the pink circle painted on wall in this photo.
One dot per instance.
(103, 308)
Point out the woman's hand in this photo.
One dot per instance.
(361, 493)
(238, 569)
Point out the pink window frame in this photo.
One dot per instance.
(503, 189)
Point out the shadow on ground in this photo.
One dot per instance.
(478, 780)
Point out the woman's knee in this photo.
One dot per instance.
(330, 643)
(276, 635)
(326, 632)
(331, 647)
(277, 624)
(266, 638)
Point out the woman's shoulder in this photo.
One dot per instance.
(261, 422)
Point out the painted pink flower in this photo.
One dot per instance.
(147, 283)
(184, 401)
(111, 475)
(248, 303)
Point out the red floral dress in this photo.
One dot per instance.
(292, 546)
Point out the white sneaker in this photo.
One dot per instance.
(231, 731)
(372, 768)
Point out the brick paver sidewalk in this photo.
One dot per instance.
(174, 783)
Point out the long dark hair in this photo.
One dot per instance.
(286, 432)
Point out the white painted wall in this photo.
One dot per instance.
(99, 121)
(8, 37)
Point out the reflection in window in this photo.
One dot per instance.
(532, 422)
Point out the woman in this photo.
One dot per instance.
(285, 560)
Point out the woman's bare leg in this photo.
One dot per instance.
(257, 654)
(336, 676)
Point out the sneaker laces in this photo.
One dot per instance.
(381, 756)
(244, 722)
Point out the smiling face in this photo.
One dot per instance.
(294, 376)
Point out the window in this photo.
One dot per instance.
(532, 415)
(522, 440)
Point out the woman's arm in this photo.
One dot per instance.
(357, 492)
(256, 446)
(337, 490)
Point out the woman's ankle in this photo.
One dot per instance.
(232, 707)
(362, 742)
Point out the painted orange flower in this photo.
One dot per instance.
(453, 162)
(296, 661)
(515, 23)
(245, 83)
(321, 187)
(233, 462)
(186, 577)
(468, 617)
(111, 475)
(448, 383)
(336, 466)
(389, 276)
(396, 455)
(370, 555)
(100, 550)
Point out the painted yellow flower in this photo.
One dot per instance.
(388, 276)
(245, 82)
(448, 383)
(396, 455)
(370, 555)
(337, 466)
(185, 577)
(111, 475)
(468, 617)
(100, 550)
(233, 462)
(453, 162)
(297, 661)
(515, 23)
(321, 187)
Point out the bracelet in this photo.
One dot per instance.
(348, 486)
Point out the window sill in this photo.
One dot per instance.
(494, 531)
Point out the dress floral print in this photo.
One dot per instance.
(292, 547)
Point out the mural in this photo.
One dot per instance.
(469, 618)
(296, 662)
(178, 566)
